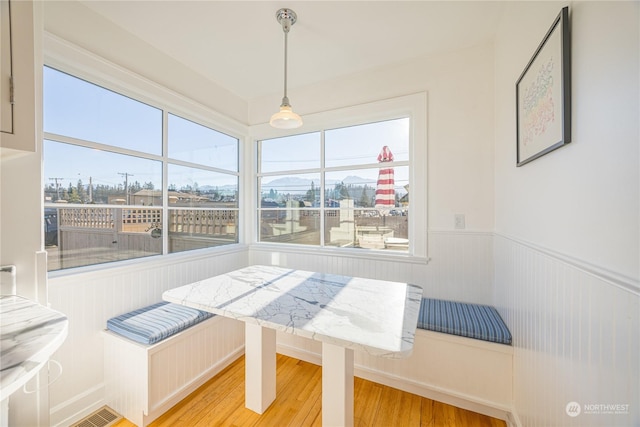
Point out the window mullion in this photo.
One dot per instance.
(322, 181)
(98, 146)
(165, 182)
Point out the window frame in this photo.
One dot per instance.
(412, 106)
(68, 58)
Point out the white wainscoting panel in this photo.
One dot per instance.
(143, 382)
(90, 299)
(460, 265)
(576, 333)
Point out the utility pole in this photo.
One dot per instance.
(126, 184)
(57, 185)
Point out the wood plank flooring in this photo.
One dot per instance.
(220, 402)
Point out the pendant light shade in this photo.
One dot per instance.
(286, 118)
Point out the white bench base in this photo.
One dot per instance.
(464, 372)
(144, 381)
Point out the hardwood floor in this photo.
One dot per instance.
(220, 402)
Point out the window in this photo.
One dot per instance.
(346, 187)
(117, 187)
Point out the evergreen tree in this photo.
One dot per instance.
(73, 196)
(365, 200)
(311, 194)
(344, 191)
(134, 187)
(82, 193)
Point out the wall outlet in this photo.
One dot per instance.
(459, 221)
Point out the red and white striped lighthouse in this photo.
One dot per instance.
(385, 192)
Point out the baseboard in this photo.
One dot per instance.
(514, 420)
(447, 396)
(296, 353)
(450, 397)
(72, 410)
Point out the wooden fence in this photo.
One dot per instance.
(93, 235)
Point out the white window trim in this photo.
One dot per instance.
(413, 106)
(69, 58)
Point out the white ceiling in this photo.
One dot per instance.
(239, 44)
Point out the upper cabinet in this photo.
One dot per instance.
(17, 90)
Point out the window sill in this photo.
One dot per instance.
(146, 263)
(370, 254)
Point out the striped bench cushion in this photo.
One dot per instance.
(156, 322)
(468, 320)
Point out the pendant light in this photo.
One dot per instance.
(286, 118)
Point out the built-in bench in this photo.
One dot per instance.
(157, 355)
(461, 356)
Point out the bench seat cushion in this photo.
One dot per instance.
(468, 320)
(156, 322)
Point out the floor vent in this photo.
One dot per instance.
(103, 417)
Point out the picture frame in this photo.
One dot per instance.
(543, 95)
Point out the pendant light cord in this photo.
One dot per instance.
(285, 62)
(285, 28)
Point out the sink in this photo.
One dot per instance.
(29, 334)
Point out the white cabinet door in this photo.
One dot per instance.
(6, 116)
(17, 88)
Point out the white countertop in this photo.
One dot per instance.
(375, 316)
(30, 333)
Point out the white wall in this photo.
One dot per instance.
(582, 199)
(461, 267)
(21, 201)
(566, 246)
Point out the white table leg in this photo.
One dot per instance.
(260, 367)
(337, 386)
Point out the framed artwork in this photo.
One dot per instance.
(543, 95)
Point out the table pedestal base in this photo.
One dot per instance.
(260, 367)
(337, 385)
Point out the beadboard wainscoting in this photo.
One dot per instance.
(90, 299)
(460, 268)
(575, 334)
(460, 265)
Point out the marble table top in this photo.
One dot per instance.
(29, 334)
(374, 316)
